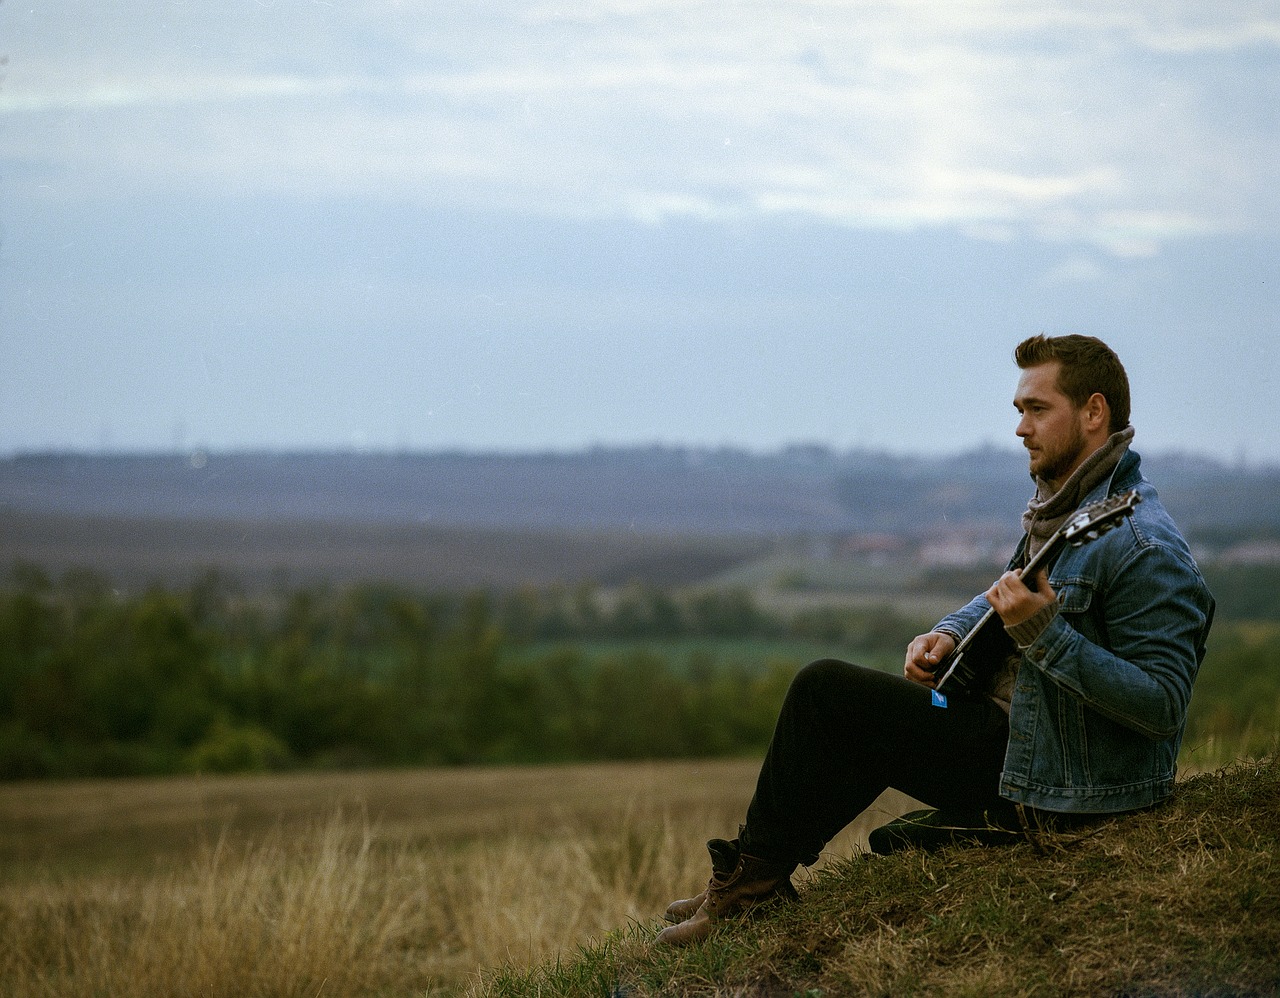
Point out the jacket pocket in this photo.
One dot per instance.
(1074, 595)
(1082, 609)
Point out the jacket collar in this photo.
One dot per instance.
(1125, 475)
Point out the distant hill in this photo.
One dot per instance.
(668, 516)
(649, 490)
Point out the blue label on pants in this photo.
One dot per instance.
(939, 699)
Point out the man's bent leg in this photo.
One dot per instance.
(845, 734)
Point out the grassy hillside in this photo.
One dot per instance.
(422, 882)
(1180, 900)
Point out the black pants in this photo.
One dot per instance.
(845, 734)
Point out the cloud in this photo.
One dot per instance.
(1073, 122)
(1075, 269)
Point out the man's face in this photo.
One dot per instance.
(1051, 428)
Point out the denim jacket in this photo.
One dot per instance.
(1100, 702)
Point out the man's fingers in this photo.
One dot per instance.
(924, 654)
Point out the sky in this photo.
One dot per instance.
(518, 226)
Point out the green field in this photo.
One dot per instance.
(94, 682)
(687, 655)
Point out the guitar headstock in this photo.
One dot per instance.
(1097, 518)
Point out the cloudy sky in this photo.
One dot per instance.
(520, 225)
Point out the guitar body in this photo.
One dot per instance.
(985, 648)
(980, 659)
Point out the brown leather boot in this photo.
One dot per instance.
(724, 857)
(752, 881)
(678, 911)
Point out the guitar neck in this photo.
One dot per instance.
(1086, 525)
(1045, 555)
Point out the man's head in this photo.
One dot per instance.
(1073, 394)
(1089, 366)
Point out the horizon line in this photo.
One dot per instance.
(798, 450)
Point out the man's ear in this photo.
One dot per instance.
(1097, 411)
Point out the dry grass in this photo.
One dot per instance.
(343, 884)
(280, 918)
(549, 881)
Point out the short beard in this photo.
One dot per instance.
(1058, 463)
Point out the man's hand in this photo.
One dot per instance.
(1014, 602)
(923, 655)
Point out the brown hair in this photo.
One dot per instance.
(1088, 366)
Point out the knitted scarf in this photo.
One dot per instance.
(1045, 514)
(1046, 511)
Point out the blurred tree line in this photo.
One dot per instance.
(98, 683)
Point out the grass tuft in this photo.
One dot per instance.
(283, 917)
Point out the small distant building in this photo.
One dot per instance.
(963, 551)
(872, 548)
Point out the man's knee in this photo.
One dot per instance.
(823, 676)
(829, 681)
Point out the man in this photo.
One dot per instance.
(1082, 715)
